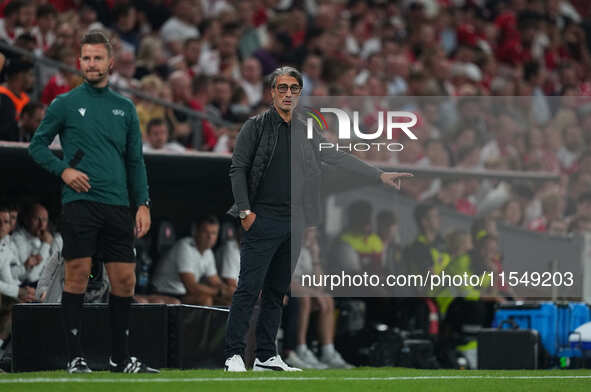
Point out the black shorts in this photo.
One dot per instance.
(91, 229)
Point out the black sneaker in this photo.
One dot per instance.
(78, 365)
(131, 365)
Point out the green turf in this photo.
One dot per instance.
(325, 381)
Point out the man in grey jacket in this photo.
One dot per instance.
(261, 174)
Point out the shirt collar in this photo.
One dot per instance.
(277, 119)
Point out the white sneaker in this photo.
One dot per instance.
(294, 360)
(273, 363)
(234, 364)
(309, 358)
(335, 361)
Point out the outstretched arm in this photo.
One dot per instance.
(352, 163)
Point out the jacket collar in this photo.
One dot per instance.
(95, 90)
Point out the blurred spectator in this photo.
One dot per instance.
(358, 247)
(229, 255)
(229, 64)
(62, 81)
(151, 59)
(252, 80)
(188, 60)
(580, 183)
(428, 250)
(227, 139)
(147, 110)
(572, 147)
(387, 230)
(581, 221)
(156, 12)
(512, 213)
(26, 17)
(31, 117)
(35, 243)
(123, 72)
(221, 100)
(13, 97)
(180, 86)
(44, 31)
(502, 146)
(553, 205)
(126, 25)
(188, 270)
(311, 73)
(157, 134)
(14, 211)
(201, 87)
(9, 23)
(181, 25)
(10, 292)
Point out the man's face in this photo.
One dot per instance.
(431, 221)
(181, 88)
(46, 23)
(4, 224)
(13, 219)
(27, 79)
(95, 63)
(228, 45)
(283, 96)
(26, 16)
(192, 52)
(251, 70)
(207, 235)
(313, 67)
(127, 22)
(223, 92)
(38, 220)
(158, 136)
(31, 122)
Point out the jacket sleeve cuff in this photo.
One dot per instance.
(243, 207)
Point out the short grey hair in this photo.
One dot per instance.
(286, 70)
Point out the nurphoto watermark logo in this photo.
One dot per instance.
(395, 120)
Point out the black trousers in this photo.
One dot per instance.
(268, 254)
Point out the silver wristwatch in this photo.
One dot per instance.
(244, 214)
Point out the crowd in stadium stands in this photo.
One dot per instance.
(529, 57)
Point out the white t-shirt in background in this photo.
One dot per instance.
(230, 260)
(183, 257)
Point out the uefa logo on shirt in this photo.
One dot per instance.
(394, 120)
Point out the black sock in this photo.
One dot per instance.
(72, 318)
(120, 311)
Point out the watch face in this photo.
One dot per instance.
(242, 214)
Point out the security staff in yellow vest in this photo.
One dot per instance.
(428, 251)
(367, 245)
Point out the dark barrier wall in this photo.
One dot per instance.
(181, 187)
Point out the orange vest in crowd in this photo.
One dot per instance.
(19, 102)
